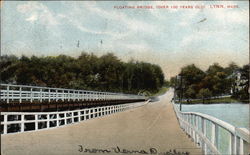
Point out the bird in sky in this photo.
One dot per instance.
(204, 19)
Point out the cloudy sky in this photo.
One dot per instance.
(171, 38)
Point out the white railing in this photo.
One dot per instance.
(16, 122)
(214, 136)
(22, 93)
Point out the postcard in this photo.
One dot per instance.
(124, 77)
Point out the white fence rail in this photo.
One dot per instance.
(22, 93)
(16, 122)
(214, 136)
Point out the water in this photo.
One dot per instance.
(235, 114)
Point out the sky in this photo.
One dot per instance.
(171, 38)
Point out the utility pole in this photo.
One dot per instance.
(175, 86)
(179, 77)
(181, 95)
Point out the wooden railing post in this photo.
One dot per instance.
(56, 95)
(194, 132)
(5, 117)
(186, 119)
(191, 125)
(74, 95)
(22, 123)
(20, 94)
(241, 146)
(41, 95)
(189, 122)
(65, 118)
(215, 135)
(31, 95)
(48, 119)
(49, 95)
(8, 94)
(57, 119)
(63, 95)
(72, 117)
(197, 128)
(36, 122)
(204, 131)
(79, 116)
(232, 144)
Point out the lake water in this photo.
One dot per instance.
(235, 114)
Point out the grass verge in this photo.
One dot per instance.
(160, 92)
(211, 101)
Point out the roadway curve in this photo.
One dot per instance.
(151, 126)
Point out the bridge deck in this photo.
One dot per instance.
(151, 126)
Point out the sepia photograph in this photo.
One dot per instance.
(124, 77)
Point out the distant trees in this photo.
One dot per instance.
(241, 87)
(204, 93)
(104, 73)
(193, 83)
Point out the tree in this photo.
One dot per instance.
(104, 73)
(221, 84)
(191, 75)
(216, 79)
(243, 94)
(204, 93)
(172, 81)
(8, 65)
(232, 67)
(213, 69)
(190, 92)
(109, 69)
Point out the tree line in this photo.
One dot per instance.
(88, 71)
(193, 83)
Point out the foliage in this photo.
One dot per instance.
(243, 94)
(192, 74)
(190, 92)
(104, 73)
(216, 100)
(193, 83)
(160, 92)
(204, 93)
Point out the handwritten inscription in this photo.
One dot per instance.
(118, 150)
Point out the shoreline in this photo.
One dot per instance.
(214, 103)
(226, 100)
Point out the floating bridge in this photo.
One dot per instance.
(31, 98)
(28, 108)
(26, 111)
